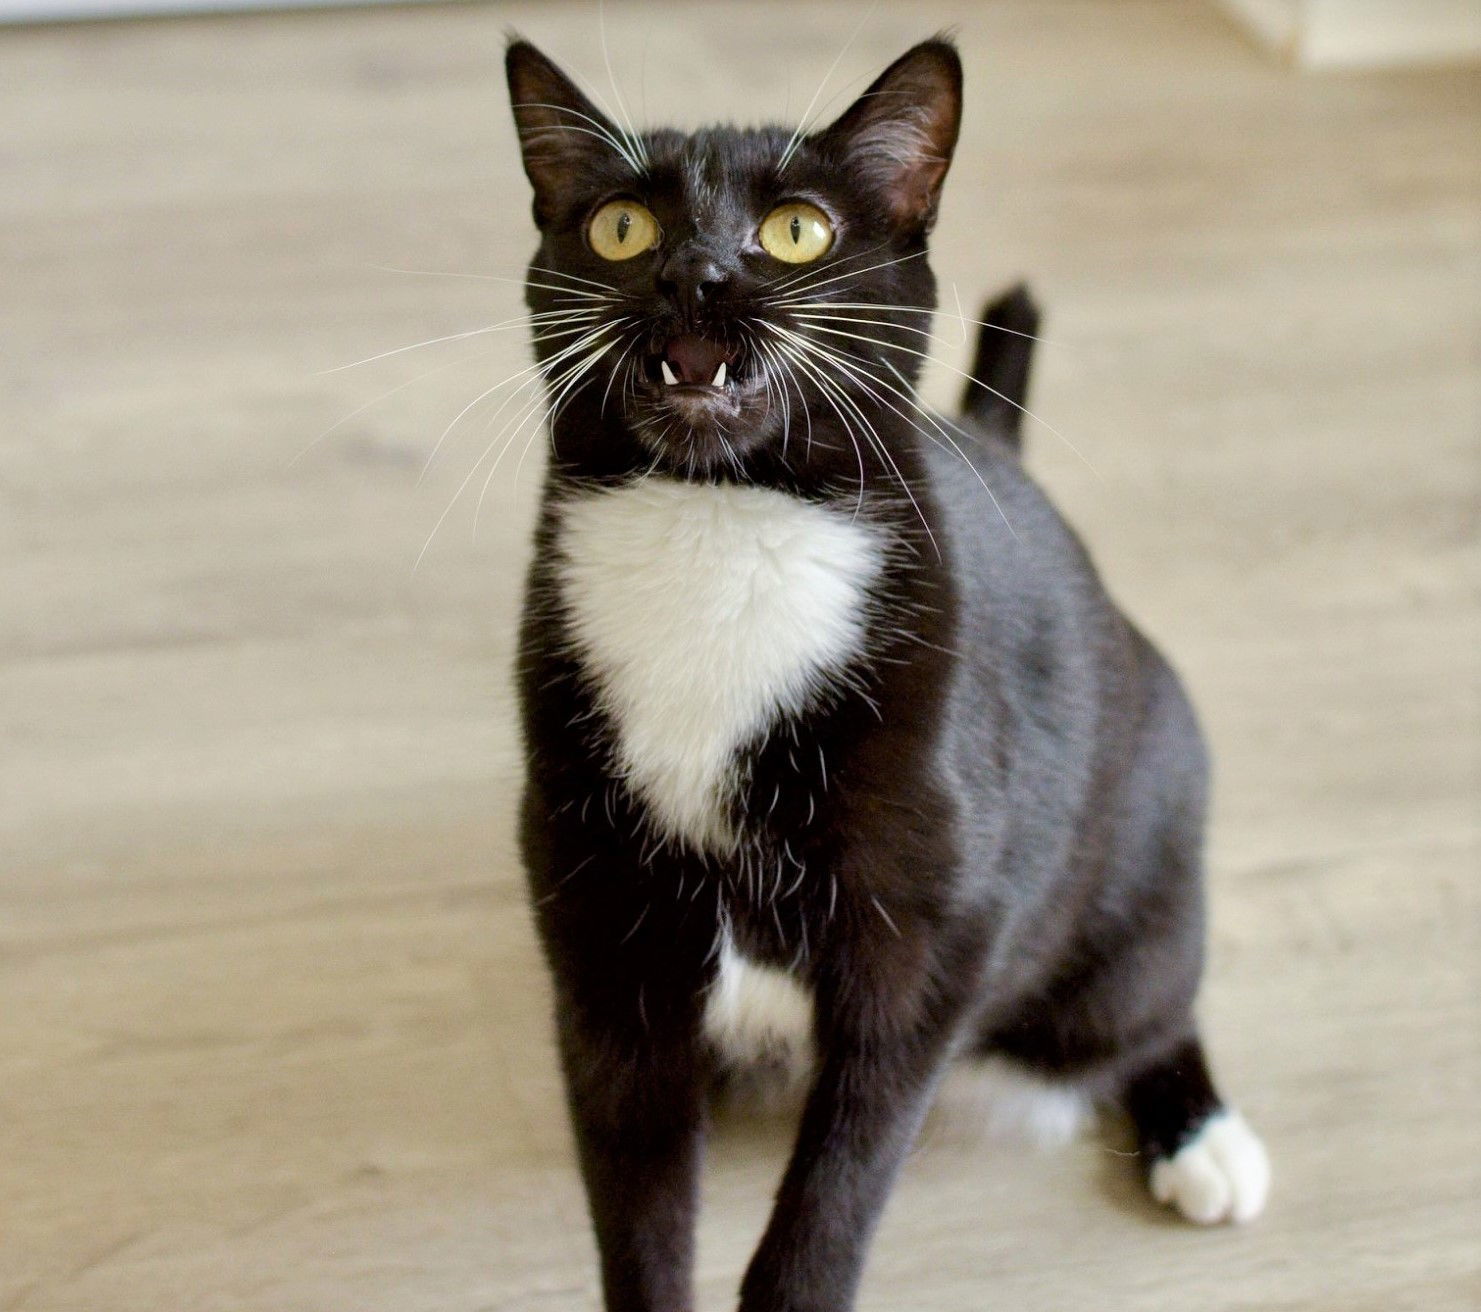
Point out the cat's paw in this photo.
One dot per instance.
(1221, 1174)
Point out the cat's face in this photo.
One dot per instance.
(719, 290)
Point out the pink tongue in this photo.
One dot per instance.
(694, 359)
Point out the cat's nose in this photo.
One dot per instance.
(692, 278)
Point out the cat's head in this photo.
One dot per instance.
(723, 291)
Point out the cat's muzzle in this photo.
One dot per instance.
(689, 366)
(702, 401)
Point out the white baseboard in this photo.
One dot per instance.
(69, 11)
(1363, 33)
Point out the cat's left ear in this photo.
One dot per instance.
(901, 132)
(560, 130)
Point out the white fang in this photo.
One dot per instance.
(719, 378)
(702, 613)
(668, 373)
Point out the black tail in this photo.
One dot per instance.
(1005, 350)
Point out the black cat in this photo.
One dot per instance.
(837, 750)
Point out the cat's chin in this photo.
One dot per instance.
(698, 428)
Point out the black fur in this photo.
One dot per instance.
(990, 830)
(994, 395)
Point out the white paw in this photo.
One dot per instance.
(1221, 1174)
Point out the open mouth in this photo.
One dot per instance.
(693, 364)
(705, 401)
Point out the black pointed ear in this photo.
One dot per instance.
(901, 132)
(560, 130)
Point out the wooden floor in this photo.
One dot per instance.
(273, 1027)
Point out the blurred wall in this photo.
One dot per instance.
(1363, 33)
(1306, 33)
(50, 11)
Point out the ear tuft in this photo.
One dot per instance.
(559, 128)
(902, 131)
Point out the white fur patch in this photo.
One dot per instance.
(1221, 1174)
(703, 613)
(758, 1016)
(1023, 1106)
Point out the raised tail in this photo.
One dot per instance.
(1005, 350)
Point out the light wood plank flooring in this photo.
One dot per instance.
(272, 1022)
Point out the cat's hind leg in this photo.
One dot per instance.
(1201, 1156)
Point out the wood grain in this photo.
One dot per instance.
(272, 1022)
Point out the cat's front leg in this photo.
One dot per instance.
(887, 1014)
(629, 970)
(636, 1109)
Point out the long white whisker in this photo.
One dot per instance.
(531, 381)
(532, 370)
(442, 437)
(601, 131)
(390, 391)
(561, 401)
(852, 273)
(789, 375)
(520, 322)
(617, 367)
(523, 320)
(961, 317)
(941, 423)
(857, 367)
(784, 375)
(962, 373)
(588, 282)
(797, 307)
(827, 394)
(819, 316)
(637, 152)
(605, 138)
(536, 402)
(774, 400)
(782, 281)
(533, 406)
(871, 434)
(467, 478)
(630, 131)
(802, 123)
(611, 292)
(863, 378)
(563, 385)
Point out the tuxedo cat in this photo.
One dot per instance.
(838, 753)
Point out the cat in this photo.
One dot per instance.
(837, 751)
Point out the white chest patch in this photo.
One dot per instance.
(702, 613)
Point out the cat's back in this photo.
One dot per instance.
(1014, 558)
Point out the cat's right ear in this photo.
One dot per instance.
(902, 131)
(559, 128)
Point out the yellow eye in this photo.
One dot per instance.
(622, 229)
(796, 232)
